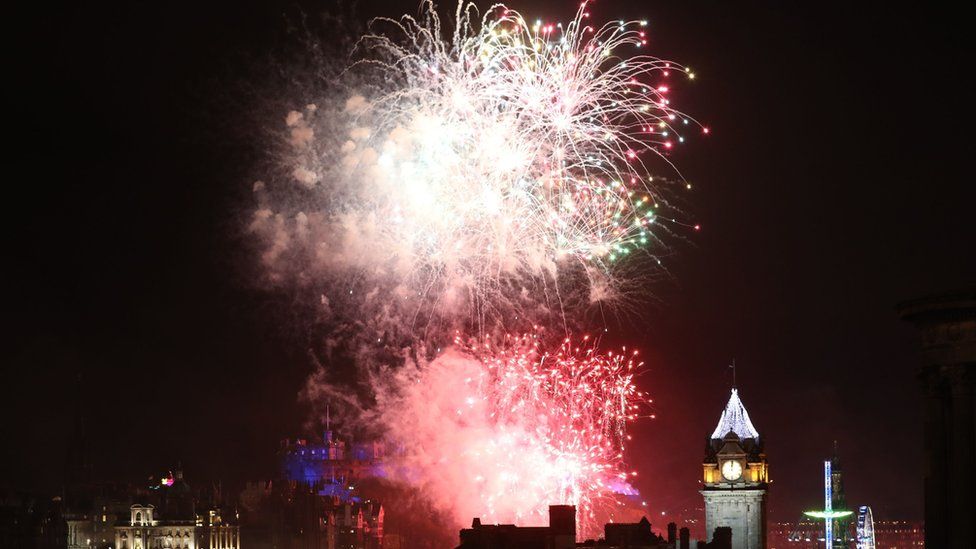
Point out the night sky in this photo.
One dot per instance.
(835, 184)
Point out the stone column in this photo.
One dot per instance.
(963, 461)
(947, 324)
(935, 465)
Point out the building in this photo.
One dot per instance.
(735, 478)
(330, 460)
(146, 530)
(560, 534)
(91, 521)
(899, 534)
(93, 511)
(315, 501)
(296, 515)
(638, 535)
(165, 514)
(947, 325)
(809, 534)
(354, 525)
(29, 521)
(721, 539)
(803, 534)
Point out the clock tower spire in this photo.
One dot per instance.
(735, 478)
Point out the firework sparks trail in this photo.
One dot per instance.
(502, 430)
(505, 152)
(455, 178)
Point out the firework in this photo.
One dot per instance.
(509, 151)
(500, 172)
(501, 430)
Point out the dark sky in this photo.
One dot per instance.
(834, 185)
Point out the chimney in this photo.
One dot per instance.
(562, 520)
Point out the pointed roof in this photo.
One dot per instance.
(735, 418)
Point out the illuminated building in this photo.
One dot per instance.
(165, 514)
(146, 530)
(95, 510)
(330, 460)
(315, 498)
(735, 478)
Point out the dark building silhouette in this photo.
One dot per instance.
(624, 535)
(31, 522)
(721, 539)
(297, 515)
(947, 325)
(560, 534)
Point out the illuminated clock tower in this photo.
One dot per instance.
(735, 477)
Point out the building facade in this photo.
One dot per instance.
(735, 478)
(145, 530)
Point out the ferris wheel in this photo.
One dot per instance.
(865, 528)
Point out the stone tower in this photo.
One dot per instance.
(735, 476)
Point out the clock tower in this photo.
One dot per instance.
(735, 477)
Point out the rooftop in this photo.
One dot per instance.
(735, 418)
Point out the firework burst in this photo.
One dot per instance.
(509, 151)
(525, 140)
(518, 428)
(483, 178)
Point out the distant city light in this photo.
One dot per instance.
(828, 514)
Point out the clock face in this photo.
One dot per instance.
(731, 470)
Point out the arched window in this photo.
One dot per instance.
(139, 517)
